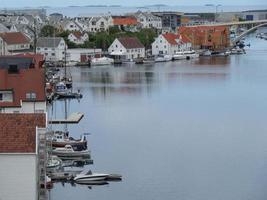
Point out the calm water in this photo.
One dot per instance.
(189, 130)
(91, 11)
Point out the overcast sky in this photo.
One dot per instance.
(62, 3)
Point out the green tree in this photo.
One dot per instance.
(48, 31)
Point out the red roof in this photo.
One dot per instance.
(14, 38)
(18, 132)
(27, 80)
(77, 34)
(126, 21)
(171, 38)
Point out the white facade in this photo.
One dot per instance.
(75, 55)
(162, 46)
(6, 49)
(71, 26)
(116, 48)
(18, 177)
(26, 107)
(78, 40)
(56, 53)
(149, 21)
(98, 24)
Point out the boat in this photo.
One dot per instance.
(191, 54)
(179, 56)
(237, 51)
(206, 53)
(90, 177)
(61, 91)
(163, 58)
(53, 162)
(68, 151)
(101, 61)
(220, 53)
(61, 139)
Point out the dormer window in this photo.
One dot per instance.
(31, 96)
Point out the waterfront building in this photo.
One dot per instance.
(22, 165)
(250, 15)
(13, 42)
(169, 44)
(82, 55)
(22, 84)
(170, 20)
(207, 37)
(127, 48)
(78, 37)
(53, 48)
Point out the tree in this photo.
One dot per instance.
(48, 31)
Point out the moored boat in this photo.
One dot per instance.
(179, 56)
(163, 58)
(90, 177)
(191, 54)
(102, 61)
(68, 151)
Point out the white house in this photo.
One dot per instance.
(127, 48)
(98, 24)
(78, 37)
(53, 48)
(169, 44)
(19, 155)
(148, 20)
(70, 25)
(13, 42)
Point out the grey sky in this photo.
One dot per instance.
(32, 3)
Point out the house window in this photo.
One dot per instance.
(31, 96)
(157, 46)
(53, 54)
(45, 49)
(38, 48)
(165, 46)
(6, 96)
(13, 69)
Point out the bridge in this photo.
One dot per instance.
(253, 25)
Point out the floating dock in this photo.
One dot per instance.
(74, 118)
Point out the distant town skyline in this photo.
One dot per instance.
(61, 3)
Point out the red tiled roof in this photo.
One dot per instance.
(14, 38)
(131, 42)
(171, 38)
(27, 80)
(77, 34)
(18, 132)
(126, 21)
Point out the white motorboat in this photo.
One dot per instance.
(206, 53)
(53, 162)
(237, 51)
(179, 56)
(163, 58)
(102, 61)
(68, 151)
(88, 176)
(191, 54)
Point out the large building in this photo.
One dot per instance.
(128, 48)
(22, 170)
(170, 20)
(250, 15)
(206, 37)
(53, 48)
(169, 44)
(13, 42)
(22, 84)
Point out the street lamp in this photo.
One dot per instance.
(216, 6)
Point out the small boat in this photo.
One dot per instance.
(237, 51)
(53, 162)
(179, 56)
(61, 139)
(68, 151)
(102, 61)
(163, 58)
(191, 54)
(206, 53)
(89, 177)
(61, 91)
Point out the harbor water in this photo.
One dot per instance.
(188, 130)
